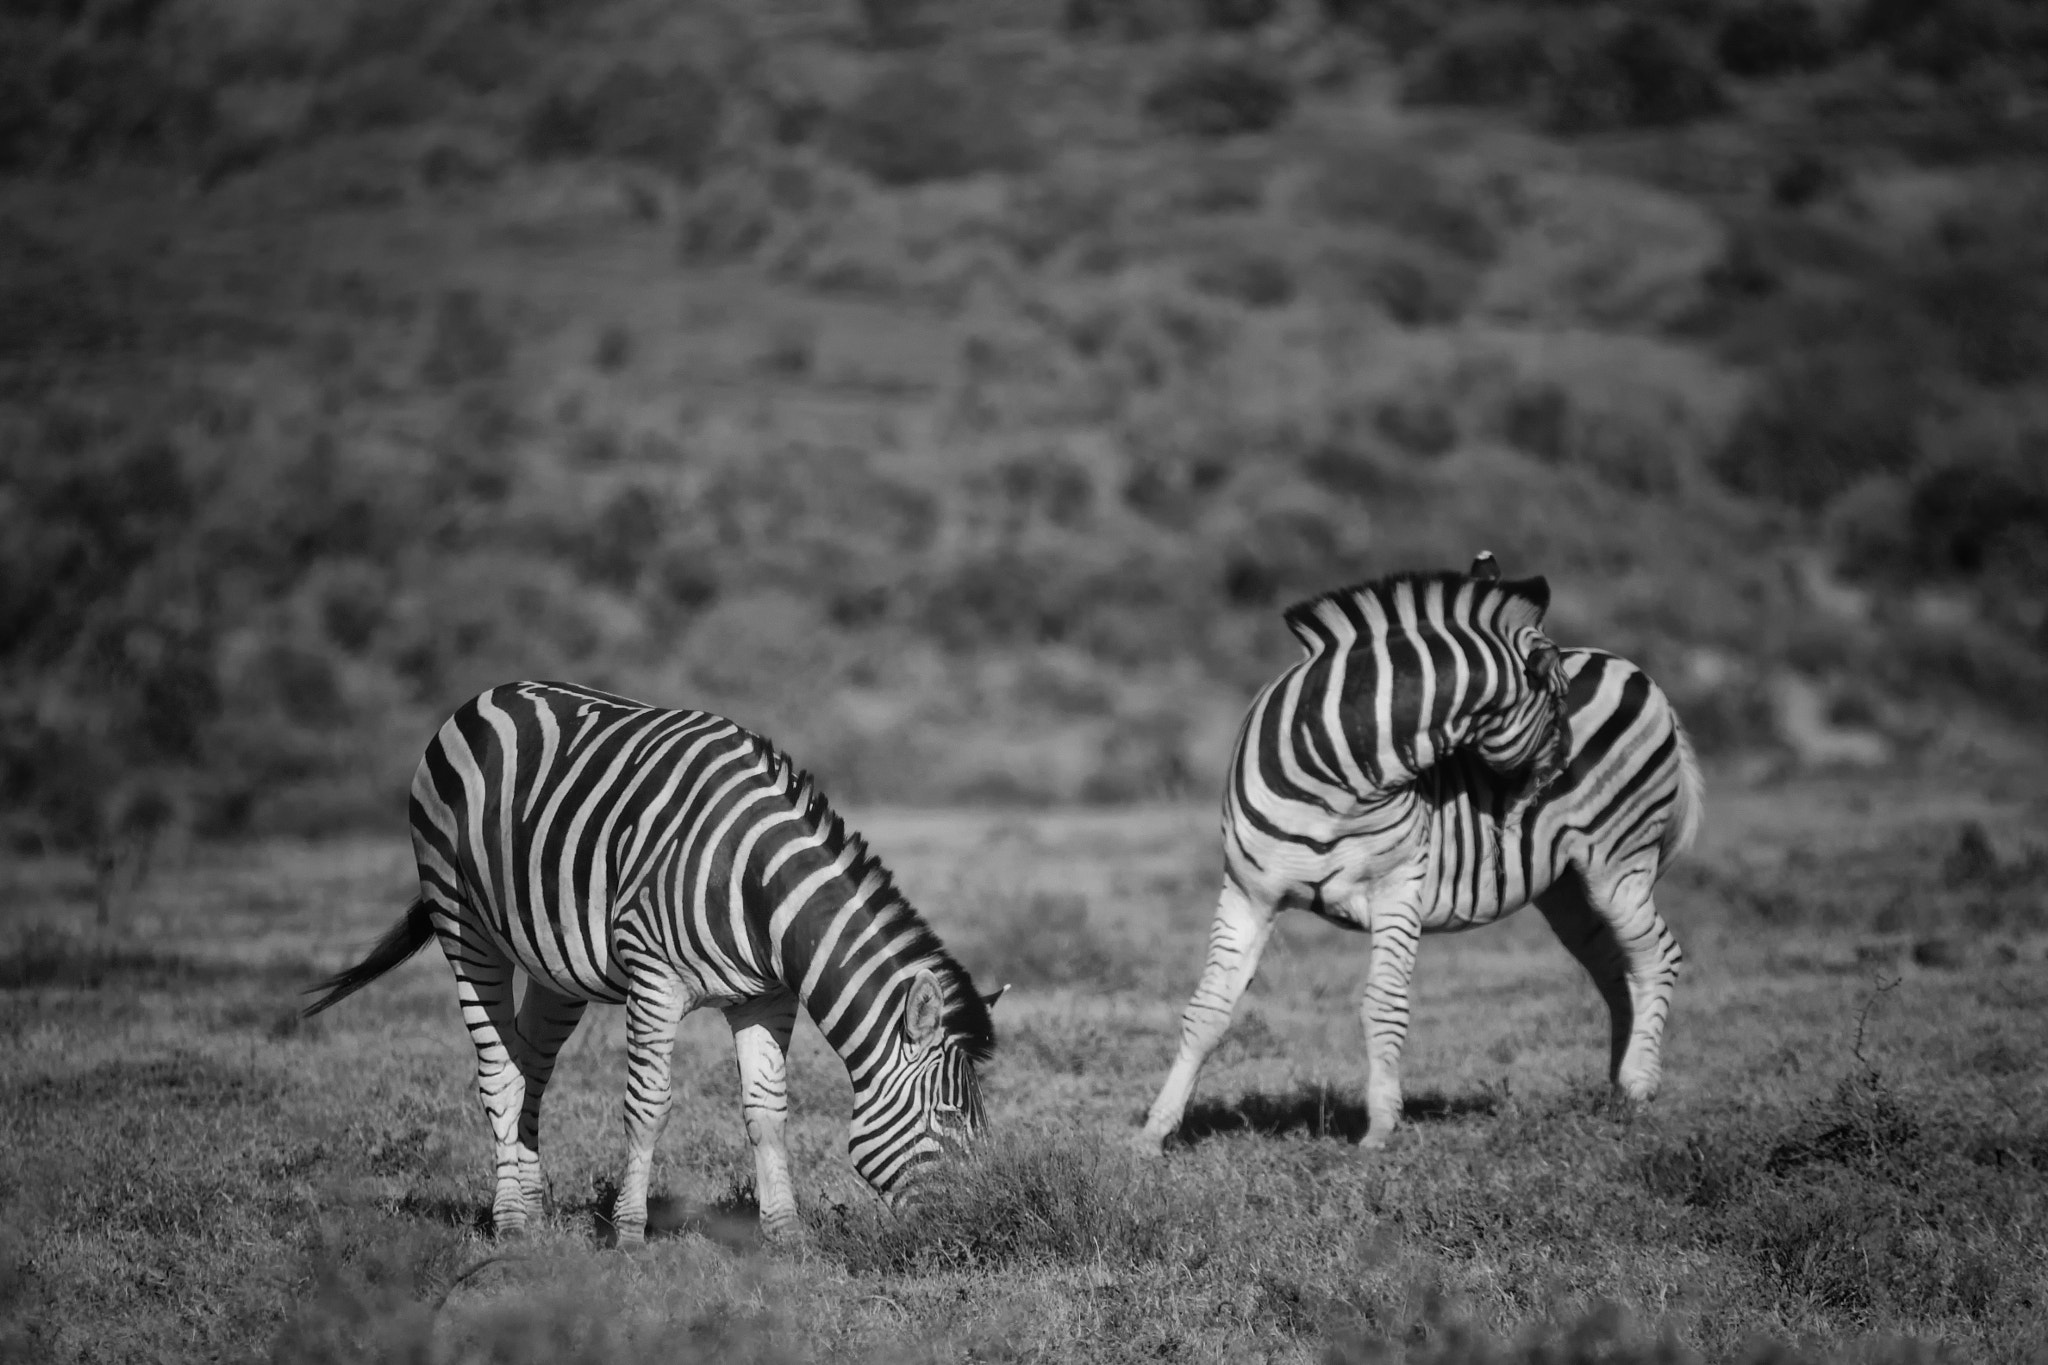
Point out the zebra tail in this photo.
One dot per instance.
(404, 938)
(1690, 806)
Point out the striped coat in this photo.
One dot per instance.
(1433, 763)
(667, 860)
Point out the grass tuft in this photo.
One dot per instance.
(1028, 1201)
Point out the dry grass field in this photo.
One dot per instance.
(1850, 1154)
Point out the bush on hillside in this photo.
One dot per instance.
(1580, 72)
(1401, 25)
(1947, 39)
(898, 23)
(668, 119)
(1773, 37)
(1405, 192)
(1497, 58)
(70, 98)
(1634, 71)
(1217, 97)
(1981, 514)
(1819, 424)
(918, 123)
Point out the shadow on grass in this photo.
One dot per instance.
(447, 1211)
(1321, 1112)
(732, 1220)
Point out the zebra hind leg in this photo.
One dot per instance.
(546, 1021)
(1237, 938)
(483, 985)
(760, 1038)
(1617, 935)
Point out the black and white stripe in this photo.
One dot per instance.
(1434, 763)
(666, 860)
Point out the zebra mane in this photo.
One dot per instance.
(1526, 598)
(967, 1019)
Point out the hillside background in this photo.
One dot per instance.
(957, 391)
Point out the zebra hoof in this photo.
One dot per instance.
(1376, 1140)
(1148, 1144)
(1636, 1093)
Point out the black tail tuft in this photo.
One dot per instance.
(405, 938)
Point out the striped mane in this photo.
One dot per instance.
(1302, 613)
(1521, 602)
(967, 1019)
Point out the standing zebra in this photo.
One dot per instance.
(1435, 763)
(670, 859)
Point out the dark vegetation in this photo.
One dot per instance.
(1029, 545)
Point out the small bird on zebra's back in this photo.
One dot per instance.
(1434, 762)
(666, 860)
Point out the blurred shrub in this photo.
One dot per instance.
(898, 23)
(1970, 517)
(1417, 425)
(387, 94)
(1581, 72)
(1772, 37)
(668, 119)
(1402, 25)
(466, 345)
(1498, 57)
(1416, 288)
(1544, 420)
(483, 55)
(56, 302)
(1947, 39)
(1634, 71)
(1818, 424)
(1403, 190)
(1992, 308)
(1144, 20)
(1250, 278)
(918, 123)
(1236, 16)
(74, 92)
(1221, 96)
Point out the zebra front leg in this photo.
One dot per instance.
(483, 985)
(1630, 953)
(760, 1039)
(1236, 939)
(1396, 931)
(546, 1020)
(655, 1005)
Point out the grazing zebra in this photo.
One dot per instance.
(1435, 763)
(670, 859)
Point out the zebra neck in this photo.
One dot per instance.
(849, 952)
(1372, 729)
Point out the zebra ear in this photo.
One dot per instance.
(989, 1001)
(924, 1015)
(1546, 669)
(1527, 600)
(1485, 567)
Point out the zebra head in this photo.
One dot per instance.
(1527, 730)
(923, 1104)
